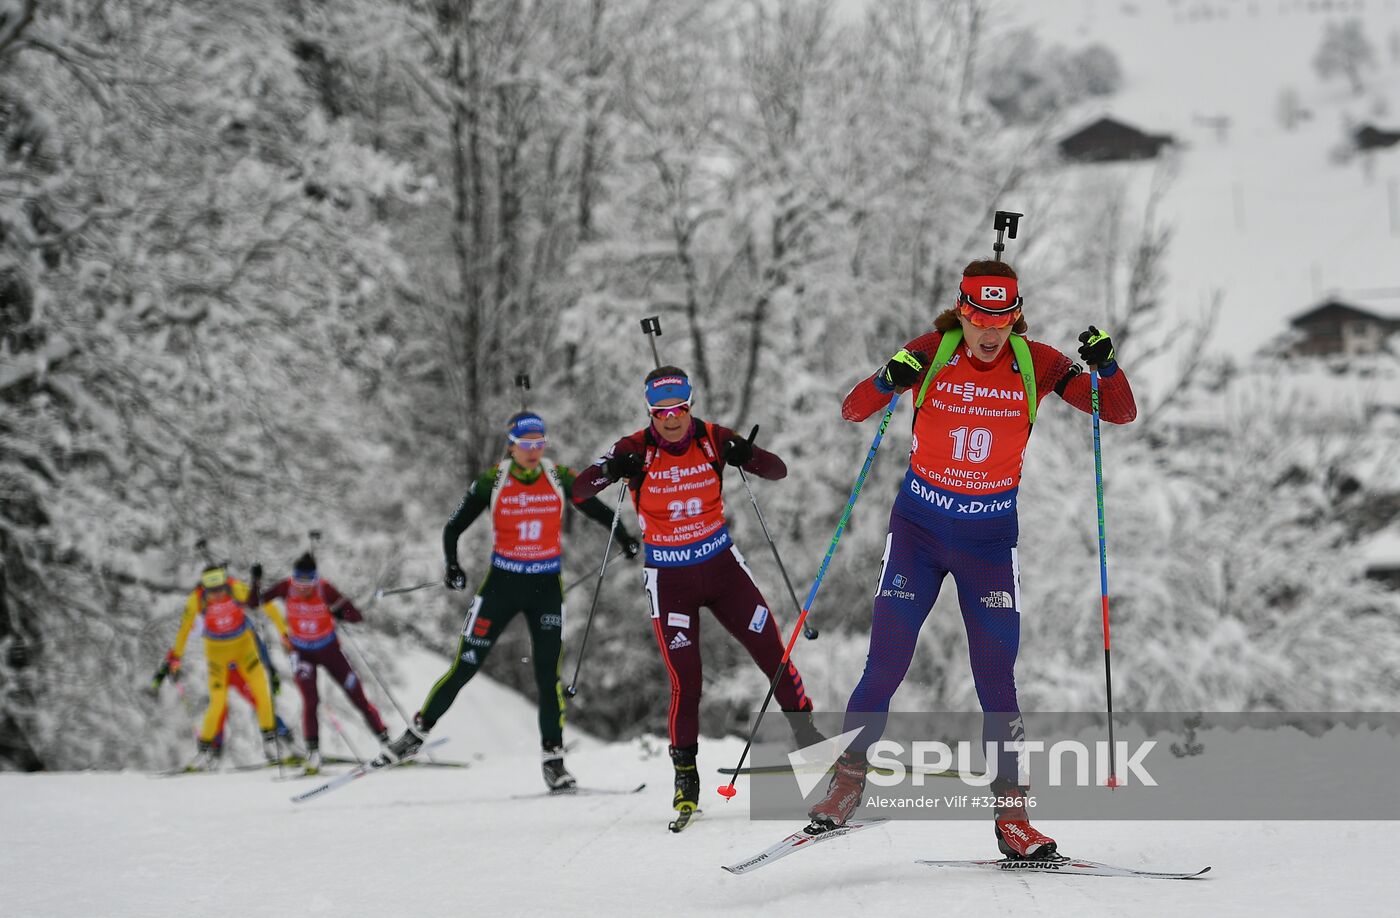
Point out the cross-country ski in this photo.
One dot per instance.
(580, 790)
(1066, 866)
(377, 766)
(804, 839)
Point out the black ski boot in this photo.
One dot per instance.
(804, 729)
(687, 798)
(406, 745)
(556, 776)
(687, 778)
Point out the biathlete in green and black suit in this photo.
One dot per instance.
(526, 495)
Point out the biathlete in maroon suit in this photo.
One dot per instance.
(673, 468)
(978, 382)
(313, 607)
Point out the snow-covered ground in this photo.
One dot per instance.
(445, 841)
(452, 841)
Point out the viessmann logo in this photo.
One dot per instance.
(526, 499)
(968, 391)
(676, 473)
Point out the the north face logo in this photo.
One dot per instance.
(469, 657)
(998, 599)
(679, 641)
(993, 294)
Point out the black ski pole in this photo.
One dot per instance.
(581, 581)
(380, 594)
(572, 690)
(364, 661)
(808, 631)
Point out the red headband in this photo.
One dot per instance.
(989, 300)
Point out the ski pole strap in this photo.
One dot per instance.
(1019, 349)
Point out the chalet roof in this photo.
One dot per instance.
(1334, 310)
(1111, 129)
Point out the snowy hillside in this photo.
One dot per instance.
(1260, 213)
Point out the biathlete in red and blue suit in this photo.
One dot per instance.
(313, 607)
(978, 381)
(673, 468)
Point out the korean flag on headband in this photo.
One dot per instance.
(992, 294)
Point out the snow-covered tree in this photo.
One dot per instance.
(1345, 51)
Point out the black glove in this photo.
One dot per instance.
(1095, 348)
(456, 578)
(623, 465)
(904, 368)
(169, 668)
(158, 678)
(256, 571)
(630, 546)
(736, 451)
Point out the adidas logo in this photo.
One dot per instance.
(679, 641)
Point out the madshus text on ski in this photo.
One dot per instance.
(977, 381)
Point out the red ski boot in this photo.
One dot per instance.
(1016, 837)
(843, 793)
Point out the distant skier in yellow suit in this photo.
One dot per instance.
(229, 644)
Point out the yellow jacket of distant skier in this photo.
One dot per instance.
(225, 618)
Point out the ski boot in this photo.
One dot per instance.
(312, 764)
(687, 798)
(1016, 838)
(271, 747)
(206, 759)
(405, 746)
(843, 794)
(804, 729)
(556, 776)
